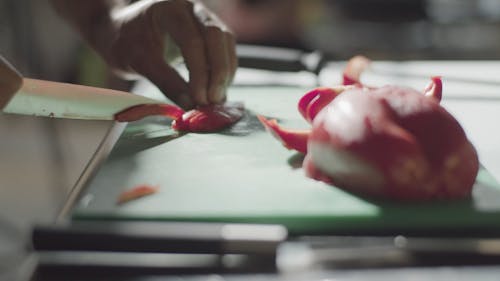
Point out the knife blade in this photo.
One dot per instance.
(63, 100)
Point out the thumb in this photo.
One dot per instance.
(166, 78)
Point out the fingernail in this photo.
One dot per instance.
(220, 94)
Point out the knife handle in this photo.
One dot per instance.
(279, 59)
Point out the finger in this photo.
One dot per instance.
(218, 53)
(231, 52)
(219, 64)
(166, 78)
(176, 18)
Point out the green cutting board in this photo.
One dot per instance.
(244, 175)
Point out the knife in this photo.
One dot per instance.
(63, 100)
(280, 59)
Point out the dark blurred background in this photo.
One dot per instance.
(392, 29)
(42, 46)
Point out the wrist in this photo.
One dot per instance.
(92, 19)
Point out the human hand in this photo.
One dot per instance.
(135, 38)
(10, 81)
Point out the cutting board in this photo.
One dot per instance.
(243, 174)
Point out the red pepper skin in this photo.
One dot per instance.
(435, 89)
(204, 119)
(353, 70)
(313, 101)
(291, 139)
(309, 106)
(136, 193)
(419, 150)
(210, 118)
(389, 142)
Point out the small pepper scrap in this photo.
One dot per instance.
(136, 193)
(204, 119)
(388, 142)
